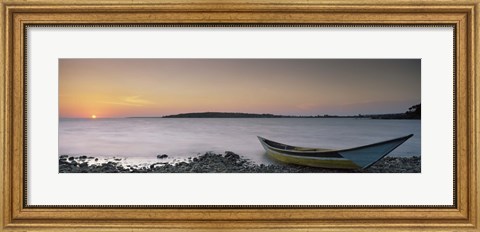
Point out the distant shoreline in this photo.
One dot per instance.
(414, 112)
(250, 115)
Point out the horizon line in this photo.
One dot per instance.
(283, 115)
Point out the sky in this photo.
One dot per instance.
(110, 88)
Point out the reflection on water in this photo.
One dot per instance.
(185, 137)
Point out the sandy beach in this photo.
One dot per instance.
(228, 162)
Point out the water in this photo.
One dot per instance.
(187, 137)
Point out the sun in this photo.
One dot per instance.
(94, 116)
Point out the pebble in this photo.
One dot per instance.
(233, 163)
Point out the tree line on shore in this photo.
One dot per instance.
(414, 112)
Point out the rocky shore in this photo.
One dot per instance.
(224, 163)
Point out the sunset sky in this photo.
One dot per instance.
(156, 87)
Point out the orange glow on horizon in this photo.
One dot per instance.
(94, 116)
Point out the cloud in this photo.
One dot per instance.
(130, 101)
(137, 100)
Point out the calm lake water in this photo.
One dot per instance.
(182, 138)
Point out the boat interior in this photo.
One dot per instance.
(291, 148)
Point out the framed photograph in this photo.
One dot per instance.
(300, 115)
(153, 127)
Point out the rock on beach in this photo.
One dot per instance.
(228, 162)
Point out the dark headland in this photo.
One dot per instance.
(413, 112)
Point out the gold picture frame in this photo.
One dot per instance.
(17, 14)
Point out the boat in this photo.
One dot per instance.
(352, 158)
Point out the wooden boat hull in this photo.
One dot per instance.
(352, 158)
